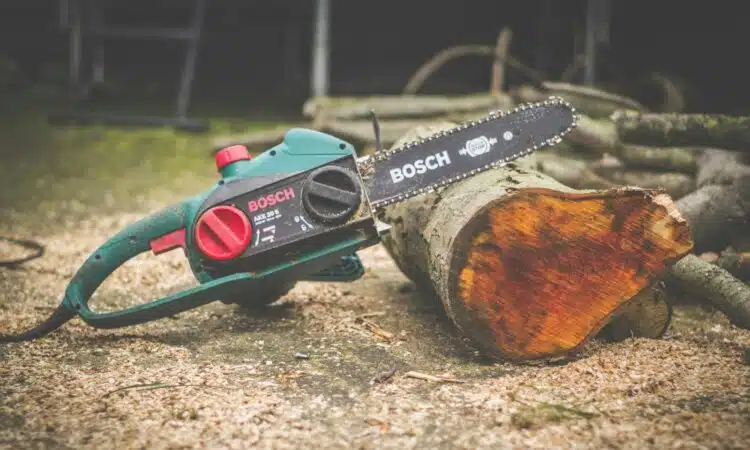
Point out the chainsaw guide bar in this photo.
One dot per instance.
(421, 166)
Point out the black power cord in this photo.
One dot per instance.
(36, 248)
(60, 316)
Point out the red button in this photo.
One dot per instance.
(223, 232)
(231, 154)
(167, 242)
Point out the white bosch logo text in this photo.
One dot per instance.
(420, 166)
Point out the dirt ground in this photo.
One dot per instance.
(309, 372)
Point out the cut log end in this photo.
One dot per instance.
(537, 272)
(647, 315)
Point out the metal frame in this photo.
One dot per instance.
(319, 76)
(85, 21)
(598, 18)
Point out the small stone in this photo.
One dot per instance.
(301, 356)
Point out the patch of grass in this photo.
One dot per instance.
(95, 165)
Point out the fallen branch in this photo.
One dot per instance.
(571, 172)
(717, 214)
(727, 293)
(738, 264)
(594, 134)
(677, 185)
(696, 130)
(674, 98)
(581, 174)
(501, 55)
(587, 99)
(360, 132)
(401, 106)
(441, 58)
(677, 159)
(601, 136)
(719, 167)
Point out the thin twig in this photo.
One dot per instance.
(433, 378)
(436, 62)
(501, 54)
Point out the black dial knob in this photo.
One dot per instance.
(331, 194)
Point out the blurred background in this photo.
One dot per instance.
(255, 64)
(257, 56)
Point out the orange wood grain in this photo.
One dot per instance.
(544, 270)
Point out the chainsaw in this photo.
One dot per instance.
(299, 211)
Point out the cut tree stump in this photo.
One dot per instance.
(529, 268)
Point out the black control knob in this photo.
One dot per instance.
(331, 194)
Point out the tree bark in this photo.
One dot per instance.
(729, 294)
(527, 267)
(671, 129)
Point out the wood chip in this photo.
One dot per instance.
(375, 329)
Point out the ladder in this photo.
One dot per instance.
(84, 20)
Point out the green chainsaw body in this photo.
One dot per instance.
(298, 211)
(175, 227)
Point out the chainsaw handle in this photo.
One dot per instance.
(125, 245)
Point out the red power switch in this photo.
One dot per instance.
(223, 232)
(231, 154)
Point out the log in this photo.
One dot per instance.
(587, 99)
(360, 132)
(673, 129)
(401, 106)
(719, 167)
(736, 263)
(595, 134)
(527, 267)
(727, 293)
(647, 315)
(570, 172)
(677, 185)
(718, 214)
(671, 159)
(582, 174)
(600, 136)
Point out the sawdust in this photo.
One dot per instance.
(219, 377)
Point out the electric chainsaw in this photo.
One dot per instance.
(299, 211)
